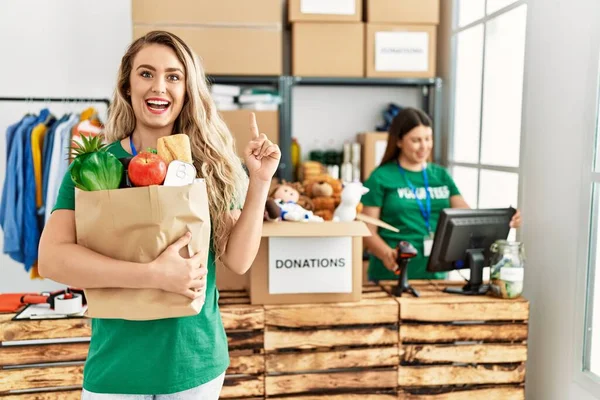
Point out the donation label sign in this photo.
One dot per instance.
(310, 265)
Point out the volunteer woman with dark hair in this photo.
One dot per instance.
(408, 193)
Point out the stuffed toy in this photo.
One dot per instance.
(348, 208)
(325, 193)
(292, 204)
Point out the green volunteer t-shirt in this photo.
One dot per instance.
(389, 190)
(153, 357)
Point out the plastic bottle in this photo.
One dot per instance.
(296, 155)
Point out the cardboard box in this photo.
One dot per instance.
(206, 12)
(229, 280)
(312, 262)
(403, 11)
(238, 122)
(230, 50)
(328, 49)
(325, 10)
(401, 51)
(373, 146)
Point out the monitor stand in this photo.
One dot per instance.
(475, 286)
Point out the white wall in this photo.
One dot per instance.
(561, 69)
(61, 48)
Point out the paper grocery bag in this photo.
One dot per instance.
(137, 225)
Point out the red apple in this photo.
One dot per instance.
(146, 169)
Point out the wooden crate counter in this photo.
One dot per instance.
(25, 344)
(334, 350)
(436, 347)
(455, 347)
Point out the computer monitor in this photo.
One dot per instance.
(462, 241)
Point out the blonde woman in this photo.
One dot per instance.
(162, 90)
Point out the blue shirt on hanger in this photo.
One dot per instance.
(12, 208)
(9, 178)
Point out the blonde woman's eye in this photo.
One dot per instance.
(174, 78)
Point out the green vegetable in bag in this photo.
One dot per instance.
(94, 168)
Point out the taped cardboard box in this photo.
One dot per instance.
(373, 145)
(137, 225)
(328, 49)
(403, 11)
(228, 50)
(233, 12)
(325, 10)
(308, 262)
(238, 123)
(401, 51)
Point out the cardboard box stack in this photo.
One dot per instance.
(231, 37)
(327, 38)
(401, 38)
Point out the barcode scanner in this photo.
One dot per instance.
(406, 252)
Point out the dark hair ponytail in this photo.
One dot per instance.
(406, 120)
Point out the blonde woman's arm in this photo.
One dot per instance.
(262, 159)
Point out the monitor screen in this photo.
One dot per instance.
(462, 240)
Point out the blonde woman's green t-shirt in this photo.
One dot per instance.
(390, 191)
(153, 357)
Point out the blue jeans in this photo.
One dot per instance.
(208, 391)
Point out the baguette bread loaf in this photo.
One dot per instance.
(175, 147)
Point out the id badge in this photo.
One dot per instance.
(427, 245)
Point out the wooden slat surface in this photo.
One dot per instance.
(234, 388)
(345, 396)
(244, 362)
(369, 311)
(43, 329)
(61, 395)
(475, 354)
(497, 393)
(43, 377)
(309, 339)
(458, 375)
(340, 381)
(20, 355)
(439, 333)
(474, 311)
(245, 340)
(327, 360)
(242, 317)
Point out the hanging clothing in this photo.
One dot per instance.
(37, 159)
(12, 208)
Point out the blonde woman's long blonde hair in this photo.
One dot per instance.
(213, 148)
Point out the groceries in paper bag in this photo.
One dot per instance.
(132, 209)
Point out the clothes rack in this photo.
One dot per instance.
(57, 100)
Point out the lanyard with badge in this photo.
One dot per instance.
(425, 209)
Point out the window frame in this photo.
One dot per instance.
(455, 30)
(587, 253)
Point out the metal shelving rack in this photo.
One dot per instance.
(431, 89)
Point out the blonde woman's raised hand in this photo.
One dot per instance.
(261, 155)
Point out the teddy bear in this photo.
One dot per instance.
(325, 193)
(293, 205)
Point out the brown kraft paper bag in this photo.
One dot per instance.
(137, 225)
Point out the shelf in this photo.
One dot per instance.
(245, 80)
(330, 81)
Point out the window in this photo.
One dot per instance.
(589, 354)
(488, 41)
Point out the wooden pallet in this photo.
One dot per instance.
(39, 376)
(333, 351)
(244, 324)
(455, 347)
